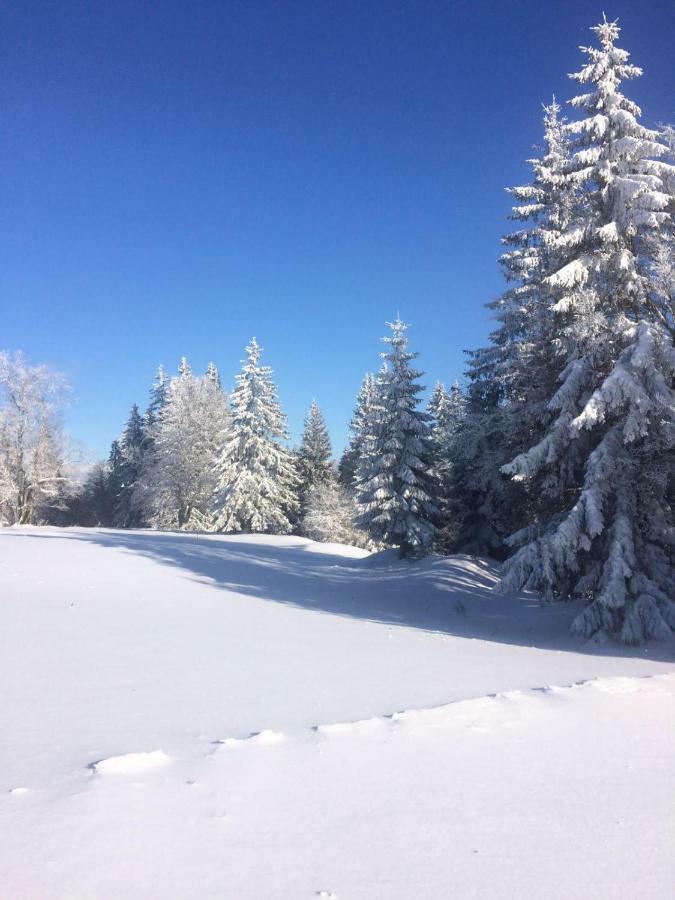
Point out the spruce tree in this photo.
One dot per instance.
(213, 375)
(257, 480)
(315, 464)
(512, 379)
(126, 459)
(446, 410)
(606, 460)
(393, 485)
(365, 404)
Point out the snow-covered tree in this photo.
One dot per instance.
(512, 379)
(158, 395)
(363, 414)
(213, 375)
(446, 411)
(31, 440)
(314, 461)
(180, 475)
(257, 479)
(126, 462)
(394, 487)
(331, 515)
(606, 459)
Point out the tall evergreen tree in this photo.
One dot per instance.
(512, 379)
(393, 485)
(606, 460)
(365, 405)
(158, 395)
(446, 410)
(257, 484)
(315, 465)
(126, 464)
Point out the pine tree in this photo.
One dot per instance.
(315, 465)
(511, 380)
(158, 395)
(393, 484)
(446, 410)
(213, 375)
(365, 404)
(606, 459)
(126, 464)
(184, 368)
(257, 484)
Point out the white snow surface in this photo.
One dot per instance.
(266, 717)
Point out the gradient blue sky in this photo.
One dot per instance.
(180, 176)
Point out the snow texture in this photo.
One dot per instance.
(252, 716)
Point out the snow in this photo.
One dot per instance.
(254, 717)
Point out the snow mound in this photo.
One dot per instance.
(131, 763)
(257, 737)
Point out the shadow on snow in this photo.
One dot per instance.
(452, 595)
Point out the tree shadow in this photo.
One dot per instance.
(451, 595)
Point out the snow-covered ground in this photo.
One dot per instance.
(194, 717)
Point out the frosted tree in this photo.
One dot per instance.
(180, 475)
(158, 396)
(393, 485)
(213, 375)
(257, 479)
(365, 405)
(446, 410)
(314, 460)
(331, 516)
(31, 440)
(606, 458)
(511, 380)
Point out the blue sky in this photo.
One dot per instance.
(180, 176)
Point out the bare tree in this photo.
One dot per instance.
(32, 476)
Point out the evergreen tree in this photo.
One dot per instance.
(511, 380)
(446, 410)
(365, 405)
(184, 368)
(393, 484)
(605, 462)
(257, 485)
(315, 465)
(126, 461)
(158, 395)
(213, 375)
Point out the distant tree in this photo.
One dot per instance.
(213, 375)
(446, 410)
(257, 479)
(363, 415)
(179, 476)
(126, 462)
(315, 465)
(32, 453)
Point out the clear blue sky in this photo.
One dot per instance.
(180, 176)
